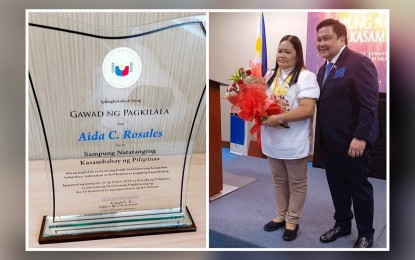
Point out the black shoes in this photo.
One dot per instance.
(334, 233)
(338, 231)
(363, 242)
(271, 226)
(290, 235)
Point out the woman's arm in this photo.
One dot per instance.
(304, 110)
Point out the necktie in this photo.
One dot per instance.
(328, 68)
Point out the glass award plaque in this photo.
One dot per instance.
(118, 109)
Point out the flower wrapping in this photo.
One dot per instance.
(249, 100)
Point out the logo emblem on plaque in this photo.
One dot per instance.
(121, 70)
(122, 67)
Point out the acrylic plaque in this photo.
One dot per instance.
(118, 109)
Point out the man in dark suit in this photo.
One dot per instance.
(347, 127)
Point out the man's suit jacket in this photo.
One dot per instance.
(348, 103)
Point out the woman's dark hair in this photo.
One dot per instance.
(338, 28)
(299, 65)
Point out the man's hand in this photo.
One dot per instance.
(356, 148)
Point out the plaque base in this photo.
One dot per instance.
(103, 228)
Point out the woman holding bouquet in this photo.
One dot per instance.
(286, 137)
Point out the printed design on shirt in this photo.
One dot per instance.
(286, 93)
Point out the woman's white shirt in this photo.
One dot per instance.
(293, 142)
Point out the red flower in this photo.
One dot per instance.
(254, 104)
(250, 101)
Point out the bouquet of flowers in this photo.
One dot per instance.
(248, 98)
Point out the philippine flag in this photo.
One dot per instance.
(123, 72)
(261, 44)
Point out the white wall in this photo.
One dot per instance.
(232, 39)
